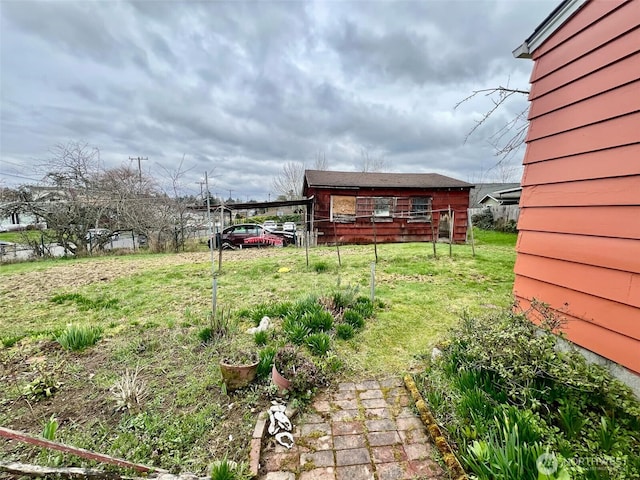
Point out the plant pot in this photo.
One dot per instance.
(238, 376)
(281, 382)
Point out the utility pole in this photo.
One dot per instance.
(139, 159)
(201, 182)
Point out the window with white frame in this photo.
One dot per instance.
(420, 208)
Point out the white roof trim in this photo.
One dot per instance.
(548, 27)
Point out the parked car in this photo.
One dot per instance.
(100, 233)
(270, 224)
(252, 235)
(289, 226)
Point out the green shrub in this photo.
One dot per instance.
(364, 307)
(79, 337)
(502, 386)
(206, 335)
(344, 331)
(354, 319)
(321, 266)
(319, 344)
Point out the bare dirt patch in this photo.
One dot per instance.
(40, 285)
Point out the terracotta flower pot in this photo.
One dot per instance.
(281, 382)
(238, 376)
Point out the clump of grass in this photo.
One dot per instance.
(321, 266)
(295, 330)
(85, 303)
(130, 391)
(265, 361)
(319, 344)
(10, 341)
(344, 331)
(363, 306)
(261, 338)
(353, 318)
(79, 337)
(220, 326)
(317, 321)
(225, 470)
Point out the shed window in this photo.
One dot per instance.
(343, 208)
(382, 207)
(421, 208)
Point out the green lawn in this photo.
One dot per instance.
(151, 308)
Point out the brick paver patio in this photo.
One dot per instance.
(362, 431)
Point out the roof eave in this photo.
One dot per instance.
(560, 15)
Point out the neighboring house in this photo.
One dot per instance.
(509, 196)
(357, 207)
(579, 241)
(482, 190)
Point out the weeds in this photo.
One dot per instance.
(129, 391)
(45, 383)
(353, 318)
(321, 266)
(221, 325)
(85, 303)
(79, 337)
(50, 428)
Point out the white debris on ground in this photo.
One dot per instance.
(264, 325)
(280, 425)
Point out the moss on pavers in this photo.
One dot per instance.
(452, 462)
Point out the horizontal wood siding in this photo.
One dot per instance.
(579, 241)
(610, 344)
(395, 230)
(614, 162)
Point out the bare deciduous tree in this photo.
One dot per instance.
(289, 181)
(321, 162)
(372, 163)
(512, 134)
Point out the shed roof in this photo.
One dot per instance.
(332, 179)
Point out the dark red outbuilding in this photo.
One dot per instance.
(356, 207)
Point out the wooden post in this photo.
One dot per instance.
(470, 223)
(450, 231)
(372, 295)
(375, 239)
(307, 239)
(433, 236)
(335, 236)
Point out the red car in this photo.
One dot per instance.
(253, 235)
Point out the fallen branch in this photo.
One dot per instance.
(81, 452)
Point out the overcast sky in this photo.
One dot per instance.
(240, 88)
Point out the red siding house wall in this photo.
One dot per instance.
(355, 207)
(579, 241)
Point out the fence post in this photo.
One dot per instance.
(372, 295)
